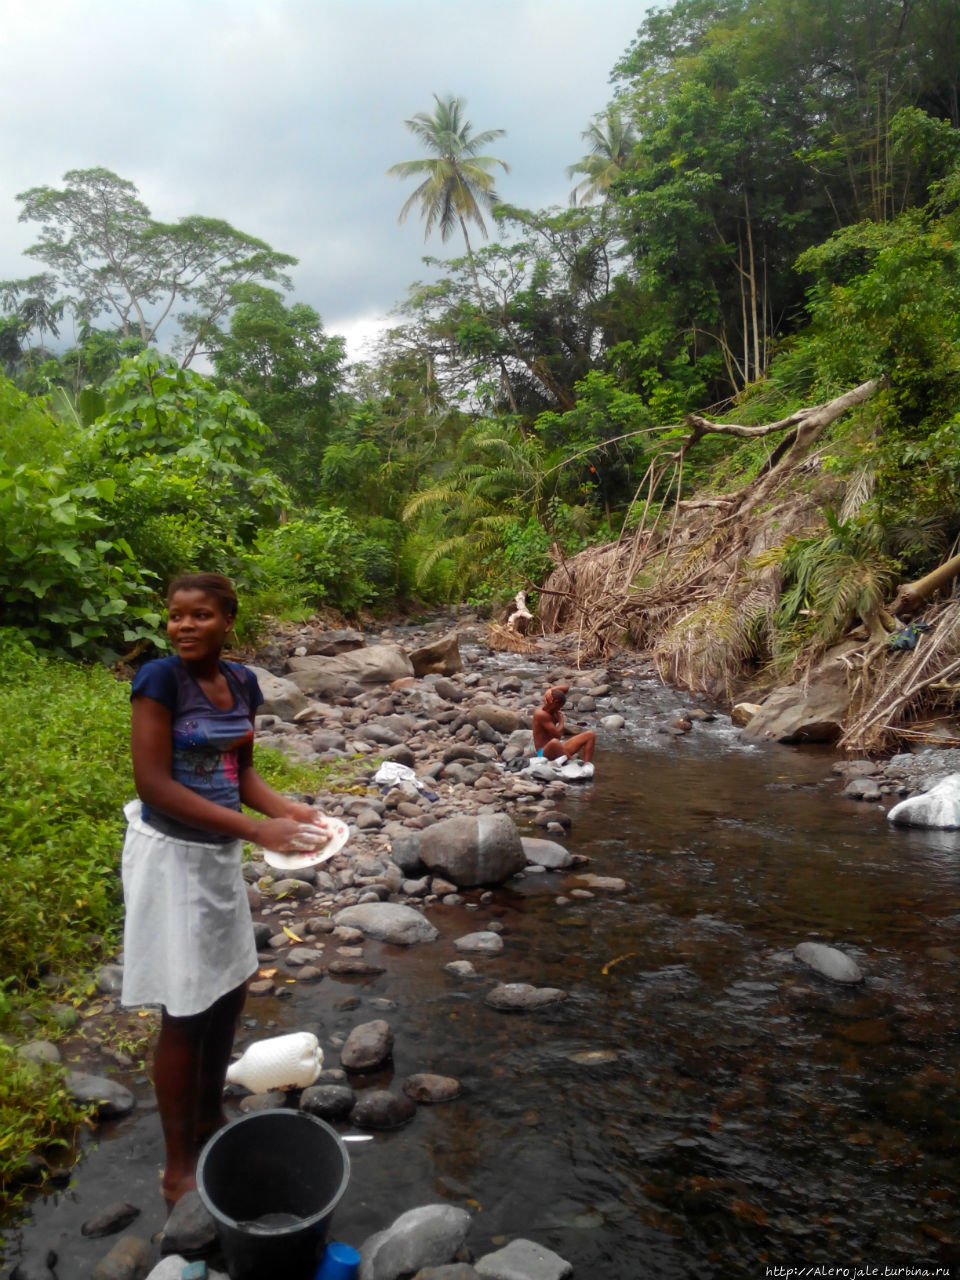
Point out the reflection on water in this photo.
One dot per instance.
(701, 1105)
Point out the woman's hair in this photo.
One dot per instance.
(214, 584)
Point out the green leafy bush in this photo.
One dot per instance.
(65, 774)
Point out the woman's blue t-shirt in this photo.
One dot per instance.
(206, 740)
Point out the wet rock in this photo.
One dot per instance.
(328, 1101)
(110, 979)
(612, 884)
(448, 690)
(36, 1266)
(190, 1229)
(281, 698)
(743, 712)
(129, 1259)
(389, 922)
(504, 719)
(862, 789)
(38, 1051)
(484, 943)
(424, 1237)
(519, 996)
(374, 664)
(523, 1260)
(450, 1271)
(110, 1220)
(828, 962)
(813, 710)
(441, 658)
(347, 968)
(368, 1046)
(857, 768)
(470, 851)
(939, 807)
(460, 969)
(110, 1098)
(612, 722)
(546, 853)
(268, 1101)
(553, 817)
(425, 1087)
(382, 1109)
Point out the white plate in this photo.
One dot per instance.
(339, 835)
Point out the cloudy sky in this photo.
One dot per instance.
(281, 116)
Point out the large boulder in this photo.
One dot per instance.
(281, 698)
(481, 849)
(813, 710)
(388, 922)
(329, 644)
(441, 658)
(375, 664)
(503, 719)
(938, 807)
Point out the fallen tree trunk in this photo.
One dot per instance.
(912, 596)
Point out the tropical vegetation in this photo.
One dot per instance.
(727, 373)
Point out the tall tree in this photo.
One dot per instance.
(611, 135)
(106, 255)
(457, 183)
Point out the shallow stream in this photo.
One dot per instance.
(701, 1105)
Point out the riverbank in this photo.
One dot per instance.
(448, 1029)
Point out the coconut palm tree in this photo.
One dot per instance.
(611, 139)
(457, 183)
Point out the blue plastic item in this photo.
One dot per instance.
(194, 1271)
(339, 1262)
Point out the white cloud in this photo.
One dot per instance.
(282, 116)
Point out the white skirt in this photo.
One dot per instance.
(187, 934)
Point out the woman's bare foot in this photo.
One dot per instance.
(175, 1184)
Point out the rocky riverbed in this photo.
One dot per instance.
(464, 735)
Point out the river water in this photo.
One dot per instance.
(701, 1105)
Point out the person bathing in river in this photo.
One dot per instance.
(188, 934)
(548, 733)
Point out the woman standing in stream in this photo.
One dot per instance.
(188, 936)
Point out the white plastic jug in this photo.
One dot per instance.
(285, 1062)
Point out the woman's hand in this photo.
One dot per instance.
(305, 813)
(287, 835)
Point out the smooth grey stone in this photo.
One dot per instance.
(38, 1051)
(368, 1046)
(110, 1220)
(423, 1237)
(190, 1228)
(389, 922)
(484, 942)
(612, 722)
(523, 1260)
(828, 962)
(427, 1087)
(518, 996)
(939, 807)
(328, 1101)
(36, 1266)
(129, 1259)
(470, 851)
(382, 1109)
(546, 853)
(111, 1098)
(862, 789)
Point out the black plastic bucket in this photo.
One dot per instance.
(271, 1180)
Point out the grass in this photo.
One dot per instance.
(65, 774)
